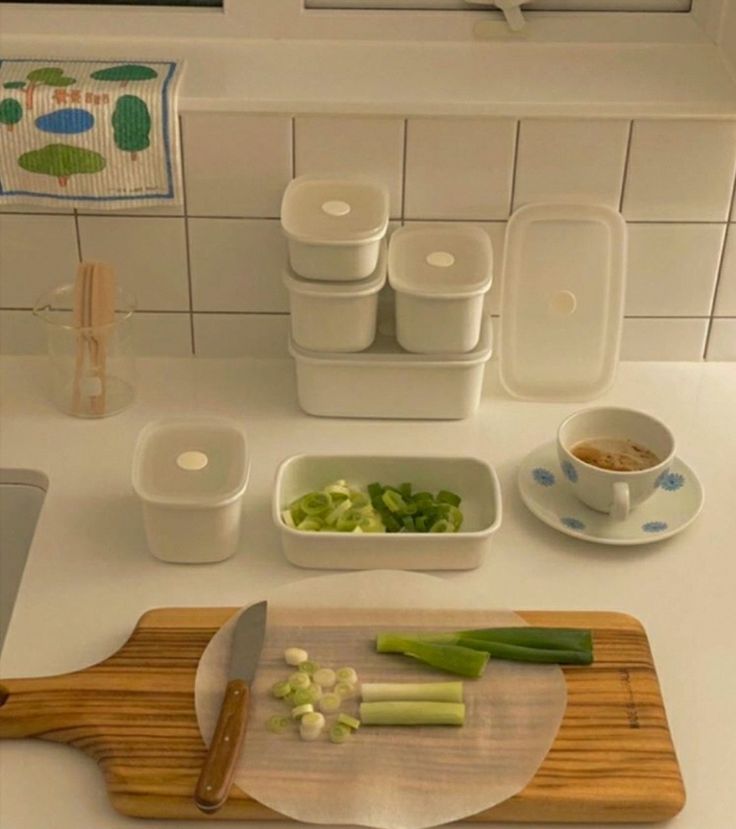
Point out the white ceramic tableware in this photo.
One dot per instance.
(385, 381)
(472, 479)
(334, 226)
(335, 316)
(190, 474)
(440, 275)
(613, 492)
(677, 501)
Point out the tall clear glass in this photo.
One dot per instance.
(92, 369)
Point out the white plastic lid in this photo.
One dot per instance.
(332, 211)
(190, 462)
(386, 351)
(562, 301)
(357, 287)
(443, 261)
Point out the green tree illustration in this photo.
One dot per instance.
(14, 85)
(62, 161)
(45, 76)
(131, 123)
(125, 73)
(10, 113)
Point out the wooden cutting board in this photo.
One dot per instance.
(612, 760)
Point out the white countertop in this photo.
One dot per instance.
(90, 576)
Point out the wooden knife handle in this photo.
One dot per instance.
(216, 778)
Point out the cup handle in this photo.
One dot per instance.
(621, 501)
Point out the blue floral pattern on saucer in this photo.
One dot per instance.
(671, 481)
(572, 523)
(570, 472)
(543, 476)
(654, 526)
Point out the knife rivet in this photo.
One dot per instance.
(227, 739)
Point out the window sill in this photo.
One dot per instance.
(680, 80)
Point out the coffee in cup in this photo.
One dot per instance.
(615, 454)
(612, 458)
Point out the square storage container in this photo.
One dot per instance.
(386, 381)
(335, 316)
(472, 479)
(440, 275)
(334, 226)
(190, 474)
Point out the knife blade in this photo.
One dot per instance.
(216, 777)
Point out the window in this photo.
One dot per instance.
(529, 5)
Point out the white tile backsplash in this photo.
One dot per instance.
(226, 283)
(237, 265)
(459, 168)
(672, 269)
(722, 343)
(343, 146)
(663, 339)
(680, 170)
(36, 253)
(149, 255)
(726, 296)
(571, 160)
(162, 335)
(21, 333)
(236, 164)
(241, 335)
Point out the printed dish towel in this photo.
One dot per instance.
(89, 133)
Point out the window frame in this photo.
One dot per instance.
(265, 19)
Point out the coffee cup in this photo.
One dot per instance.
(626, 452)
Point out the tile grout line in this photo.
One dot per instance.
(719, 274)
(293, 147)
(404, 154)
(78, 235)
(721, 267)
(192, 336)
(514, 169)
(625, 176)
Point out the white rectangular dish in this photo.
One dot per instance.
(386, 381)
(474, 480)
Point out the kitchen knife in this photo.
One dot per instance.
(216, 777)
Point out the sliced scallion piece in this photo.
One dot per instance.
(277, 724)
(329, 703)
(412, 713)
(281, 690)
(325, 677)
(339, 733)
(350, 722)
(347, 674)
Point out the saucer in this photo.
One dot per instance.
(676, 503)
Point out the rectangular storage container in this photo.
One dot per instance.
(474, 480)
(334, 226)
(335, 316)
(440, 275)
(385, 381)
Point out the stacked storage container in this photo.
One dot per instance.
(338, 261)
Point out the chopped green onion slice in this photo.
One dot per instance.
(304, 695)
(444, 496)
(277, 724)
(316, 503)
(295, 656)
(288, 519)
(394, 501)
(339, 733)
(345, 690)
(349, 675)
(350, 722)
(299, 680)
(313, 719)
(301, 710)
(308, 667)
(441, 526)
(313, 525)
(329, 703)
(282, 689)
(309, 734)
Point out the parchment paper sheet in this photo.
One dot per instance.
(387, 777)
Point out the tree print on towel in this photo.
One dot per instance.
(131, 123)
(11, 113)
(62, 161)
(125, 73)
(45, 76)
